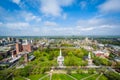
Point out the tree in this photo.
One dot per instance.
(69, 71)
(71, 61)
(112, 75)
(91, 71)
(37, 53)
(25, 71)
(101, 61)
(1, 57)
(79, 71)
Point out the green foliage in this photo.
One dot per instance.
(66, 45)
(17, 72)
(36, 77)
(94, 47)
(69, 71)
(47, 58)
(91, 71)
(79, 71)
(71, 61)
(109, 41)
(25, 71)
(112, 76)
(37, 53)
(51, 56)
(74, 61)
(80, 53)
(19, 78)
(101, 61)
(43, 70)
(5, 74)
(1, 57)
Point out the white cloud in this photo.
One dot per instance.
(106, 26)
(98, 25)
(17, 25)
(36, 30)
(110, 6)
(49, 23)
(64, 16)
(50, 7)
(54, 7)
(65, 2)
(31, 17)
(84, 28)
(87, 29)
(16, 1)
(92, 22)
(83, 4)
(1, 23)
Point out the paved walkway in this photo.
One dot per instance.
(71, 77)
(99, 76)
(89, 76)
(44, 77)
(26, 78)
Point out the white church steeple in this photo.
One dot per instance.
(60, 60)
(60, 53)
(89, 60)
(89, 56)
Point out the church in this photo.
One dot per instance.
(60, 60)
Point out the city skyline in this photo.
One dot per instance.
(59, 17)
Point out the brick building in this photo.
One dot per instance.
(26, 46)
(13, 53)
(19, 48)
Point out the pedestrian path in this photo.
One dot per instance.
(44, 77)
(89, 76)
(99, 76)
(71, 77)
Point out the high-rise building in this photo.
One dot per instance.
(9, 39)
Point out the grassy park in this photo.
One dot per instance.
(47, 58)
(64, 77)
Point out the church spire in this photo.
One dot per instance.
(60, 53)
(89, 56)
(89, 60)
(60, 60)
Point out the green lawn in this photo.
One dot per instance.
(80, 76)
(54, 77)
(19, 78)
(63, 77)
(36, 77)
(103, 78)
(95, 76)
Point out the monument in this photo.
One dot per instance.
(89, 60)
(60, 60)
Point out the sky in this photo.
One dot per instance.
(59, 17)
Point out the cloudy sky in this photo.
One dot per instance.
(59, 17)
